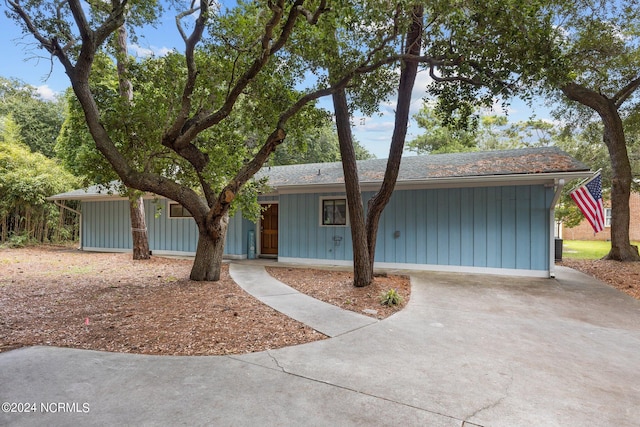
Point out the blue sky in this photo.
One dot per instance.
(22, 60)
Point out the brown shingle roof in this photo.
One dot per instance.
(527, 161)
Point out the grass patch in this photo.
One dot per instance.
(586, 249)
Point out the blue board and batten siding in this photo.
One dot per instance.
(483, 228)
(300, 234)
(106, 227)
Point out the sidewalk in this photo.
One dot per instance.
(321, 316)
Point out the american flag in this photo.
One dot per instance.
(588, 197)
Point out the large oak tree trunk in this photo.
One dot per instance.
(405, 87)
(363, 233)
(614, 139)
(207, 264)
(139, 229)
(362, 265)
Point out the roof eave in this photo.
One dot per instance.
(96, 197)
(442, 182)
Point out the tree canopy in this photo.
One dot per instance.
(201, 123)
(318, 145)
(601, 63)
(38, 121)
(490, 132)
(26, 179)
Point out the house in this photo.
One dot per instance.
(584, 231)
(482, 212)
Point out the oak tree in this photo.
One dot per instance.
(188, 103)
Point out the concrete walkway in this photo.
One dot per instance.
(467, 350)
(325, 318)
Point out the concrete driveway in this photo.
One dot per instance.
(468, 350)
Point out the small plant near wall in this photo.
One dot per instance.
(391, 297)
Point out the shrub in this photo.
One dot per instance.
(391, 297)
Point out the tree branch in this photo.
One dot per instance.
(624, 93)
(312, 17)
(171, 135)
(268, 48)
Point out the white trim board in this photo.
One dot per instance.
(158, 252)
(424, 267)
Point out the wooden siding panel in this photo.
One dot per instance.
(508, 227)
(384, 246)
(541, 198)
(106, 224)
(467, 227)
(443, 227)
(301, 234)
(455, 226)
(523, 227)
(410, 227)
(420, 227)
(312, 215)
(387, 249)
(431, 236)
(284, 229)
(319, 236)
(479, 227)
(150, 207)
(175, 234)
(401, 240)
(291, 224)
(236, 235)
(494, 227)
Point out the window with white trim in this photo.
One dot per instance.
(176, 210)
(333, 211)
(607, 217)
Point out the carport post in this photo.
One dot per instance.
(559, 185)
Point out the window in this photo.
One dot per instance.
(607, 217)
(334, 211)
(176, 210)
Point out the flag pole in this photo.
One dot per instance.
(587, 180)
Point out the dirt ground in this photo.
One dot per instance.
(58, 296)
(53, 295)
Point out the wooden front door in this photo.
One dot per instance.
(269, 231)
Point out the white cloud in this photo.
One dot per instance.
(375, 132)
(417, 95)
(372, 124)
(46, 92)
(146, 52)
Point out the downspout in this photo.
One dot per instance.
(552, 219)
(79, 220)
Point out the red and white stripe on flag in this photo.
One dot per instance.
(588, 197)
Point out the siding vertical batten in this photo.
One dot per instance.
(557, 190)
(443, 227)
(467, 226)
(431, 237)
(523, 227)
(480, 227)
(505, 228)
